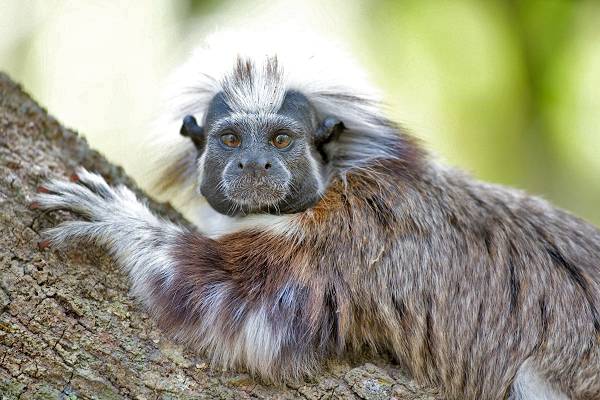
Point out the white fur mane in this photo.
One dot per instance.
(254, 71)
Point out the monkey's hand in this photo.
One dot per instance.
(114, 219)
(112, 214)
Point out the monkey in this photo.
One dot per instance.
(342, 233)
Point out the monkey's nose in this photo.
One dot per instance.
(256, 166)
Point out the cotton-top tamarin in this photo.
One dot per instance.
(343, 233)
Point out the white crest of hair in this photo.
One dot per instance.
(255, 70)
(529, 384)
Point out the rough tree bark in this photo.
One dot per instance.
(68, 328)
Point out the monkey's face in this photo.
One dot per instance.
(260, 162)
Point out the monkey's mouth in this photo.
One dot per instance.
(255, 194)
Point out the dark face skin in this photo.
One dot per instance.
(262, 163)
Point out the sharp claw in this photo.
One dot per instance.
(34, 205)
(44, 244)
(74, 178)
(42, 189)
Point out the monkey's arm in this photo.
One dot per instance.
(240, 298)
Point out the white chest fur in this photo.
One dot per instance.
(214, 225)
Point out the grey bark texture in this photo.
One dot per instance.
(69, 329)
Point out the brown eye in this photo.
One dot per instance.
(230, 140)
(281, 141)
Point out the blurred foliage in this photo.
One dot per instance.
(505, 89)
(501, 88)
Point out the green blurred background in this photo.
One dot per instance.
(508, 90)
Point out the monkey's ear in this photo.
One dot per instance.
(195, 132)
(329, 130)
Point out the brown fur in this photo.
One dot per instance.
(462, 281)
